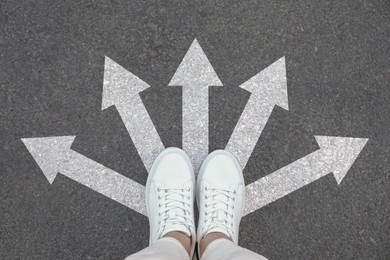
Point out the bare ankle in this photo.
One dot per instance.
(182, 238)
(206, 240)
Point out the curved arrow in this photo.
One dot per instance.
(121, 89)
(53, 155)
(268, 88)
(195, 74)
(336, 155)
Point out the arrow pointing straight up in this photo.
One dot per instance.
(336, 154)
(268, 88)
(195, 74)
(121, 88)
(53, 155)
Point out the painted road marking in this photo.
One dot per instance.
(53, 155)
(121, 89)
(336, 155)
(268, 88)
(195, 74)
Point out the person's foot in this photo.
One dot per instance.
(220, 196)
(170, 191)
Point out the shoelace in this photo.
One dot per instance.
(174, 208)
(219, 210)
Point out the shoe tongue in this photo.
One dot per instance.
(176, 214)
(223, 201)
(219, 215)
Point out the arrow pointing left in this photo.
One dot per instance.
(54, 155)
(121, 89)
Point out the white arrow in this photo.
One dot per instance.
(53, 155)
(195, 74)
(336, 155)
(121, 88)
(268, 88)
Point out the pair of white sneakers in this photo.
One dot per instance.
(171, 189)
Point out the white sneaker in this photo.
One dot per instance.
(220, 195)
(170, 192)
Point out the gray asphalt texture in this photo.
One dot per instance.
(51, 75)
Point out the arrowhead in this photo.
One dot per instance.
(49, 153)
(270, 85)
(340, 153)
(195, 69)
(119, 85)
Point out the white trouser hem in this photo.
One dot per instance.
(224, 249)
(166, 248)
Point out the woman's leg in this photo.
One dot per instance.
(225, 249)
(166, 248)
(170, 194)
(221, 200)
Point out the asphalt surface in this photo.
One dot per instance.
(338, 74)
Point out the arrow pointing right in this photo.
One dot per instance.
(268, 88)
(336, 154)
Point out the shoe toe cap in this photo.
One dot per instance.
(222, 170)
(173, 169)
